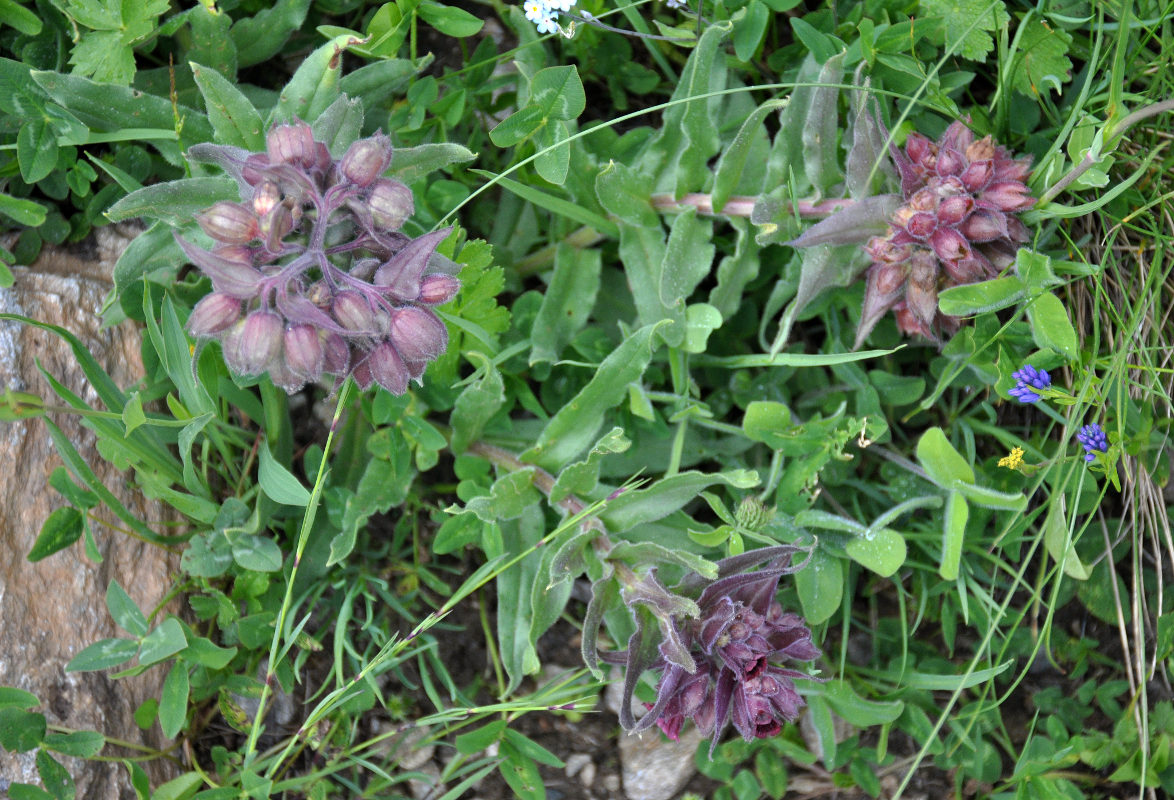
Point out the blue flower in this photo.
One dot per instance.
(1094, 440)
(1028, 379)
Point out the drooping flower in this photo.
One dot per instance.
(1028, 379)
(725, 665)
(1092, 437)
(312, 274)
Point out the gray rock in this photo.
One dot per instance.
(54, 608)
(654, 766)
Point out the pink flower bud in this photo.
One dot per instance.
(957, 137)
(362, 374)
(259, 342)
(417, 334)
(1012, 170)
(390, 203)
(388, 369)
(266, 196)
(984, 225)
(954, 209)
(981, 150)
(949, 244)
(921, 224)
(255, 168)
(229, 269)
(303, 351)
(275, 226)
(228, 222)
(919, 148)
(353, 312)
(291, 144)
(366, 159)
(968, 270)
(438, 289)
(950, 162)
(215, 313)
(978, 176)
(336, 354)
(1006, 196)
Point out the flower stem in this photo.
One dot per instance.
(741, 206)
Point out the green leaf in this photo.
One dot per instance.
(124, 611)
(279, 483)
(207, 555)
(174, 202)
(11, 697)
(1057, 540)
(521, 773)
(509, 497)
(558, 205)
(23, 212)
(701, 319)
(103, 56)
(990, 498)
(16, 16)
(261, 36)
(211, 42)
(449, 20)
(953, 535)
(103, 655)
(554, 153)
(26, 791)
(857, 711)
(688, 257)
(477, 740)
(942, 463)
(61, 528)
(207, 654)
(820, 145)
(635, 507)
(1042, 58)
(518, 126)
(558, 92)
(36, 149)
(575, 425)
(153, 249)
(173, 701)
(315, 84)
(513, 595)
(166, 640)
(79, 744)
(233, 117)
(982, 297)
(952, 683)
(532, 750)
(820, 586)
(54, 777)
(21, 731)
(883, 552)
(627, 194)
(257, 553)
(653, 554)
(732, 165)
(476, 405)
(179, 788)
(567, 302)
(409, 164)
(968, 24)
(1051, 327)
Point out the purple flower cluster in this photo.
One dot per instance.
(1028, 379)
(957, 225)
(1094, 440)
(311, 274)
(737, 645)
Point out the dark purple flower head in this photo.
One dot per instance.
(1028, 379)
(312, 274)
(722, 665)
(1094, 440)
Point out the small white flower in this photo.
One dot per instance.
(536, 10)
(675, 4)
(561, 5)
(546, 24)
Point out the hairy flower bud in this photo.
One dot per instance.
(303, 351)
(438, 289)
(366, 159)
(291, 144)
(215, 313)
(275, 226)
(353, 312)
(388, 369)
(259, 342)
(417, 334)
(336, 353)
(390, 203)
(228, 222)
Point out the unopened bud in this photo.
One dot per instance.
(275, 226)
(390, 203)
(954, 209)
(984, 225)
(255, 168)
(950, 162)
(438, 289)
(259, 342)
(981, 150)
(919, 148)
(353, 312)
(921, 224)
(319, 294)
(291, 144)
(336, 353)
(417, 334)
(388, 369)
(751, 513)
(366, 159)
(228, 222)
(978, 176)
(949, 244)
(266, 196)
(1006, 196)
(215, 313)
(303, 351)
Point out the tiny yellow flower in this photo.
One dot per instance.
(1013, 460)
